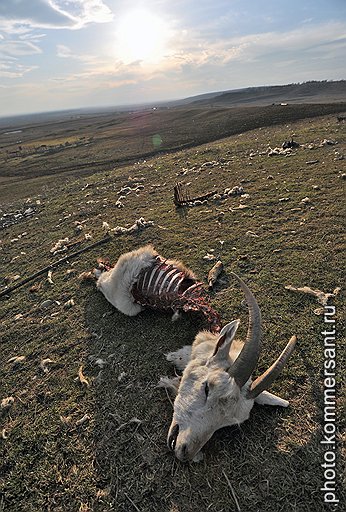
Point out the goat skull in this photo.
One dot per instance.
(216, 389)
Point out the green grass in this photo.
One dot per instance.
(110, 462)
(115, 139)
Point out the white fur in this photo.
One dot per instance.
(199, 415)
(116, 284)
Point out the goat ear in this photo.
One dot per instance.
(266, 398)
(224, 342)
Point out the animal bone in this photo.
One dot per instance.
(143, 278)
(214, 273)
(322, 297)
(183, 198)
(216, 389)
(81, 377)
(44, 363)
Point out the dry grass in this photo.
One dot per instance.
(102, 447)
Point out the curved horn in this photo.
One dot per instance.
(246, 362)
(267, 378)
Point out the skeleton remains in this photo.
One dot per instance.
(143, 278)
(216, 389)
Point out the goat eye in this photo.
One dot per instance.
(206, 389)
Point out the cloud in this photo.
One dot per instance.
(87, 11)
(12, 69)
(192, 50)
(18, 48)
(57, 14)
(36, 13)
(63, 51)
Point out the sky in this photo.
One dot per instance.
(62, 54)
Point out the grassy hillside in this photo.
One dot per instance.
(70, 446)
(46, 153)
(308, 92)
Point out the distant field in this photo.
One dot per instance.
(66, 446)
(47, 153)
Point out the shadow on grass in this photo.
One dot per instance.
(272, 461)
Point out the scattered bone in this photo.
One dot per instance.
(71, 271)
(240, 207)
(284, 199)
(251, 233)
(88, 236)
(82, 378)
(82, 420)
(270, 177)
(86, 276)
(312, 162)
(306, 200)
(79, 228)
(47, 303)
(328, 142)
(338, 156)
(6, 403)
(139, 224)
(12, 278)
(322, 297)
(4, 434)
(44, 364)
(214, 273)
(19, 316)
(106, 227)
(16, 359)
(209, 257)
(60, 246)
(235, 191)
(119, 204)
(69, 303)
(279, 152)
(49, 278)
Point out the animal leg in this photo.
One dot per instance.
(181, 357)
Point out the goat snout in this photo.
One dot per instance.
(184, 452)
(173, 436)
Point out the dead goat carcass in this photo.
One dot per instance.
(290, 144)
(143, 278)
(182, 196)
(216, 389)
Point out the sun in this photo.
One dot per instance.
(141, 36)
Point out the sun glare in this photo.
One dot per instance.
(141, 36)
